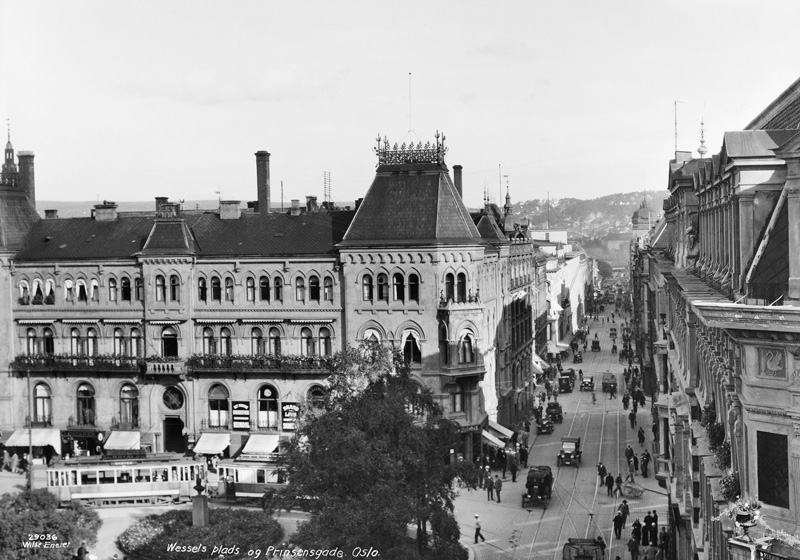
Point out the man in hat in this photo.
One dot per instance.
(478, 529)
(498, 485)
(625, 510)
(489, 485)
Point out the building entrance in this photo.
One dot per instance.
(173, 435)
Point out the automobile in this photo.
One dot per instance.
(555, 412)
(587, 383)
(583, 549)
(570, 372)
(609, 382)
(545, 426)
(570, 453)
(538, 486)
(577, 358)
(595, 346)
(565, 384)
(613, 333)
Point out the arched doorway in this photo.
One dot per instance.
(174, 440)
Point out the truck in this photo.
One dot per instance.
(583, 549)
(609, 382)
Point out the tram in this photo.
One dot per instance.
(160, 478)
(248, 476)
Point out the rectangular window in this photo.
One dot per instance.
(773, 469)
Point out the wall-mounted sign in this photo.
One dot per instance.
(289, 413)
(241, 415)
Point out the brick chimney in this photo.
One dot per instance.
(457, 179)
(311, 204)
(295, 211)
(262, 181)
(106, 212)
(229, 210)
(51, 214)
(26, 180)
(160, 201)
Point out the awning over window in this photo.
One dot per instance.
(498, 430)
(123, 439)
(491, 440)
(40, 437)
(535, 367)
(212, 444)
(261, 444)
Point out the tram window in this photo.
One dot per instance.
(106, 477)
(174, 474)
(88, 477)
(74, 475)
(143, 475)
(261, 476)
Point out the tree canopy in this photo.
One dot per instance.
(372, 458)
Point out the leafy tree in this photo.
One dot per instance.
(372, 458)
(37, 513)
(605, 269)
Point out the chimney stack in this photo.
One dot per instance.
(50, 214)
(26, 180)
(457, 179)
(311, 204)
(106, 212)
(262, 181)
(295, 211)
(358, 202)
(229, 210)
(160, 201)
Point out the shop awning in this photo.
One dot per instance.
(554, 305)
(39, 437)
(123, 439)
(535, 367)
(491, 440)
(212, 444)
(498, 430)
(261, 444)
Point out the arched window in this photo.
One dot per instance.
(49, 292)
(24, 292)
(119, 343)
(32, 343)
(48, 346)
(263, 287)
(250, 288)
(275, 341)
(466, 349)
(316, 396)
(125, 289)
(461, 291)
(42, 404)
(136, 343)
(209, 344)
(313, 288)
(69, 290)
(457, 398)
(161, 288)
(83, 295)
(383, 287)
(202, 289)
(306, 342)
(257, 341)
(129, 406)
(449, 287)
(225, 341)
(444, 345)
(229, 289)
(413, 287)
(174, 288)
(94, 291)
(325, 341)
(399, 287)
(300, 289)
(75, 343)
(91, 342)
(328, 289)
(216, 289)
(372, 335)
(38, 296)
(112, 289)
(218, 407)
(267, 408)
(412, 353)
(278, 283)
(86, 409)
(169, 342)
(366, 288)
(138, 289)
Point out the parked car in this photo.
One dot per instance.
(570, 453)
(555, 412)
(587, 383)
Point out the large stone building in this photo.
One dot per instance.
(182, 329)
(716, 288)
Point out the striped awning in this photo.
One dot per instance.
(491, 440)
(215, 321)
(122, 321)
(312, 321)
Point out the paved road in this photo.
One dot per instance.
(579, 507)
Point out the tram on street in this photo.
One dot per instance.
(248, 476)
(161, 478)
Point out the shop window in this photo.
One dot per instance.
(267, 408)
(42, 404)
(313, 288)
(399, 287)
(449, 287)
(413, 287)
(263, 286)
(202, 289)
(161, 288)
(125, 289)
(225, 341)
(257, 342)
(383, 287)
(209, 343)
(216, 289)
(328, 289)
(174, 288)
(86, 410)
(112, 289)
(300, 289)
(275, 341)
(129, 406)
(250, 288)
(411, 348)
(229, 289)
(325, 341)
(169, 343)
(306, 342)
(218, 407)
(366, 288)
(461, 287)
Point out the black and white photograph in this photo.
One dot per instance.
(452, 280)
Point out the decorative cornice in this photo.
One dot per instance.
(401, 155)
(766, 411)
(166, 260)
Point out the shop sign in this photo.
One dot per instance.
(468, 429)
(77, 433)
(289, 414)
(241, 415)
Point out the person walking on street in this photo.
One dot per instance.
(602, 472)
(632, 418)
(641, 435)
(628, 453)
(513, 468)
(503, 460)
(633, 548)
(478, 529)
(481, 477)
(523, 456)
(498, 485)
(610, 483)
(625, 511)
(618, 482)
(489, 487)
(636, 463)
(636, 531)
(644, 463)
(630, 478)
(618, 524)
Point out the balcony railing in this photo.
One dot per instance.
(128, 424)
(164, 365)
(39, 421)
(87, 422)
(262, 362)
(214, 426)
(72, 362)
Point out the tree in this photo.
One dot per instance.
(372, 458)
(605, 269)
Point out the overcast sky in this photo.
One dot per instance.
(133, 100)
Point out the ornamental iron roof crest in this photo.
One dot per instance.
(411, 153)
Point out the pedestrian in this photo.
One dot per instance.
(478, 529)
(618, 522)
(650, 552)
(655, 430)
(618, 482)
(655, 520)
(635, 406)
(502, 460)
(489, 487)
(513, 468)
(648, 522)
(6, 460)
(628, 453)
(610, 483)
(15, 463)
(613, 391)
(498, 485)
(625, 510)
(644, 463)
(663, 542)
(636, 463)
(601, 472)
(481, 476)
(523, 456)
(641, 435)
(527, 425)
(82, 553)
(630, 478)
(633, 548)
(632, 418)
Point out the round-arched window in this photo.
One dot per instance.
(316, 396)
(267, 408)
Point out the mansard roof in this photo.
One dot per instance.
(488, 227)
(17, 216)
(412, 204)
(755, 143)
(199, 234)
(782, 113)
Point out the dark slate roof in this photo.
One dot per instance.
(782, 113)
(17, 216)
(412, 204)
(208, 236)
(755, 143)
(489, 229)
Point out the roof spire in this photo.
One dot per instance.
(702, 150)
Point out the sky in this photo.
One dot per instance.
(126, 101)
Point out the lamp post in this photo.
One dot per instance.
(30, 431)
